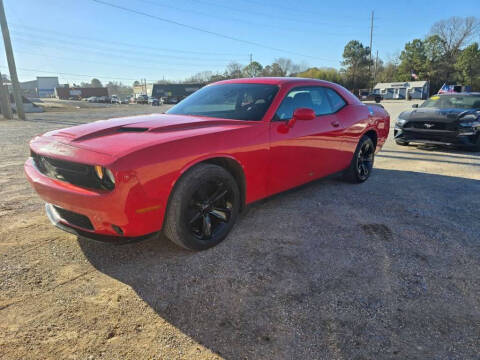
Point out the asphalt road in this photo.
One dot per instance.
(388, 269)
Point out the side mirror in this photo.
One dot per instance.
(304, 114)
(301, 114)
(415, 106)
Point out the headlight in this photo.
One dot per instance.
(401, 122)
(469, 120)
(105, 176)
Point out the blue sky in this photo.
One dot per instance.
(81, 39)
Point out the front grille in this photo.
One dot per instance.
(434, 135)
(73, 173)
(431, 125)
(74, 218)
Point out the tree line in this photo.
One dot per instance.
(447, 54)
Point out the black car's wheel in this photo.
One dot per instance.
(203, 207)
(362, 162)
(476, 147)
(378, 99)
(401, 143)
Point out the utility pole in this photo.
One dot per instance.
(5, 100)
(375, 70)
(251, 70)
(370, 62)
(17, 92)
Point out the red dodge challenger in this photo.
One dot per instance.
(189, 172)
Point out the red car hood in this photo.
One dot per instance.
(107, 140)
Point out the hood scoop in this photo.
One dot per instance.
(132, 129)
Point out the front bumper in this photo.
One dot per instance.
(443, 137)
(123, 214)
(60, 223)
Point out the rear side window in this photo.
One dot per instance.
(306, 97)
(336, 100)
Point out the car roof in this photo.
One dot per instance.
(273, 81)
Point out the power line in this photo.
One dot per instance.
(131, 45)
(199, 29)
(119, 54)
(80, 75)
(270, 15)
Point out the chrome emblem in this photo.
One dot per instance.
(428, 126)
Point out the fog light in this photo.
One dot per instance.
(117, 229)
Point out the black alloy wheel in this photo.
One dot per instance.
(362, 161)
(203, 207)
(209, 210)
(365, 160)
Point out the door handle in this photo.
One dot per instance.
(335, 123)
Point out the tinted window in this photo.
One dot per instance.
(335, 99)
(309, 97)
(228, 101)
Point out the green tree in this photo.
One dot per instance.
(453, 34)
(253, 69)
(96, 83)
(412, 59)
(468, 65)
(355, 62)
(327, 74)
(273, 70)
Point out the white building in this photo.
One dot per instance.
(44, 86)
(399, 90)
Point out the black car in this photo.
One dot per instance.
(448, 119)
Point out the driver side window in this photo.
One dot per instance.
(306, 97)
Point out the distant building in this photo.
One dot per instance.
(44, 86)
(143, 89)
(167, 91)
(178, 91)
(399, 90)
(66, 92)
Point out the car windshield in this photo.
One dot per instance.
(228, 101)
(453, 101)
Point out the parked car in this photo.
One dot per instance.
(367, 95)
(447, 119)
(125, 101)
(190, 172)
(156, 102)
(115, 100)
(170, 99)
(141, 99)
(92, 99)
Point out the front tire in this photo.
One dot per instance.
(362, 162)
(203, 207)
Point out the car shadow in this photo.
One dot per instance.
(444, 149)
(441, 152)
(327, 270)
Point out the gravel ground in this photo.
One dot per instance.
(388, 269)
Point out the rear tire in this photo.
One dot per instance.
(362, 162)
(401, 143)
(203, 207)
